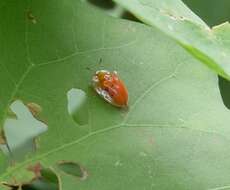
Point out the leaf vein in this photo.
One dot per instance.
(55, 61)
(149, 89)
(40, 157)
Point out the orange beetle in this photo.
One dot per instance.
(111, 88)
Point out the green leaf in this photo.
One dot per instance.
(47, 179)
(175, 134)
(180, 23)
(107, 6)
(214, 13)
(111, 8)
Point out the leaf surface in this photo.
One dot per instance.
(187, 29)
(176, 128)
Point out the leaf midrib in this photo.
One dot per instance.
(101, 131)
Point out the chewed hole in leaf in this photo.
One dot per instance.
(73, 169)
(34, 108)
(49, 176)
(78, 105)
(21, 131)
(47, 179)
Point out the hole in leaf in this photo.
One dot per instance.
(21, 130)
(78, 106)
(34, 108)
(73, 169)
(47, 179)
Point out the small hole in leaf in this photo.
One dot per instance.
(21, 130)
(73, 169)
(47, 179)
(78, 105)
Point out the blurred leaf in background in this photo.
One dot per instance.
(176, 20)
(214, 13)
